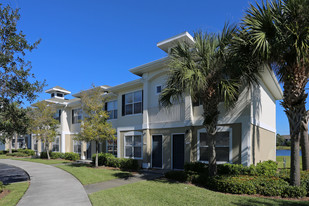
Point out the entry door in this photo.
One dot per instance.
(157, 151)
(178, 151)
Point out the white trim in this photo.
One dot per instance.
(184, 149)
(133, 133)
(57, 90)
(106, 148)
(262, 125)
(152, 150)
(219, 129)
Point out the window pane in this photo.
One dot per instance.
(129, 109)
(110, 106)
(222, 154)
(138, 152)
(129, 98)
(110, 149)
(203, 139)
(115, 104)
(159, 88)
(137, 108)
(128, 140)
(204, 154)
(128, 151)
(137, 140)
(138, 96)
(115, 114)
(222, 138)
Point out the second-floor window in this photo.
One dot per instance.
(112, 109)
(132, 103)
(57, 115)
(77, 116)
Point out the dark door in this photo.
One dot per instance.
(157, 151)
(88, 150)
(178, 151)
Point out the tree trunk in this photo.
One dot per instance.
(212, 168)
(10, 146)
(16, 142)
(97, 154)
(47, 151)
(304, 143)
(295, 161)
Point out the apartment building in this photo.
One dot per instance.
(166, 138)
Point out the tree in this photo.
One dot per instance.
(277, 32)
(279, 140)
(95, 126)
(44, 126)
(14, 122)
(17, 83)
(206, 71)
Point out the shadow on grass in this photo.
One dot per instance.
(255, 201)
(123, 175)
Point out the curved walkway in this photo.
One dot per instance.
(50, 186)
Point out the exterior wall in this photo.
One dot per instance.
(68, 143)
(263, 145)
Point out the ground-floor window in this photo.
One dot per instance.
(56, 144)
(77, 146)
(35, 144)
(111, 146)
(223, 145)
(133, 146)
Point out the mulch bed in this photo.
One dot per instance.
(4, 193)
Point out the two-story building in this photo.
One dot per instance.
(166, 138)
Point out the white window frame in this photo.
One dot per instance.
(142, 144)
(79, 112)
(219, 129)
(115, 110)
(54, 142)
(115, 146)
(76, 142)
(125, 104)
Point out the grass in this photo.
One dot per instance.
(279, 159)
(37, 160)
(162, 192)
(89, 175)
(17, 191)
(283, 147)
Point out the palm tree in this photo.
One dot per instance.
(205, 71)
(277, 32)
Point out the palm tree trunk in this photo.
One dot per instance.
(16, 142)
(212, 168)
(304, 143)
(295, 161)
(97, 154)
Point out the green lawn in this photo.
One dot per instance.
(38, 160)
(283, 147)
(17, 191)
(162, 192)
(89, 175)
(279, 159)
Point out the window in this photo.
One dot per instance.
(223, 144)
(77, 146)
(57, 115)
(56, 144)
(59, 95)
(53, 94)
(77, 116)
(112, 146)
(132, 103)
(158, 89)
(112, 109)
(133, 146)
(35, 144)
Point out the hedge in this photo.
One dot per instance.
(27, 151)
(71, 156)
(196, 167)
(1, 186)
(57, 155)
(180, 176)
(17, 154)
(110, 160)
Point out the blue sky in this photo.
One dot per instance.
(97, 41)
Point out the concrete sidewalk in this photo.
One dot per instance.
(50, 186)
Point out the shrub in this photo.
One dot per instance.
(128, 164)
(1, 186)
(27, 151)
(180, 176)
(268, 168)
(43, 155)
(71, 156)
(273, 186)
(294, 192)
(196, 167)
(3, 152)
(17, 154)
(304, 179)
(102, 158)
(57, 155)
(233, 169)
(201, 179)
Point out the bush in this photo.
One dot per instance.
(71, 156)
(3, 152)
(268, 168)
(1, 186)
(270, 186)
(57, 155)
(294, 192)
(43, 155)
(17, 154)
(110, 160)
(201, 179)
(196, 167)
(128, 164)
(233, 169)
(27, 151)
(180, 176)
(102, 158)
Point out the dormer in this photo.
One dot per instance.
(57, 92)
(169, 43)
